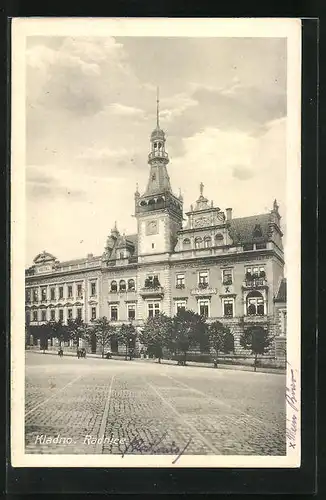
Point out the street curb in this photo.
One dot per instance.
(246, 368)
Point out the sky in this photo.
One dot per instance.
(90, 110)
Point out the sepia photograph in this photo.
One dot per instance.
(155, 317)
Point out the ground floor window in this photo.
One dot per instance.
(153, 309)
(69, 313)
(203, 307)
(180, 305)
(131, 312)
(255, 304)
(34, 315)
(114, 313)
(228, 308)
(79, 313)
(60, 314)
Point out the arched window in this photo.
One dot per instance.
(255, 304)
(198, 242)
(122, 286)
(207, 241)
(186, 244)
(219, 239)
(114, 286)
(131, 285)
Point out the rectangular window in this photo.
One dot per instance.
(60, 314)
(203, 306)
(43, 315)
(52, 293)
(60, 292)
(28, 295)
(35, 318)
(153, 309)
(69, 291)
(114, 313)
(260, 246)
(247, 247)
(152, 281)
(69, 313)
(93, 289)
(228, 308)
(27, 317)
(79, 312)
(227, 277)
(203, 279)
(52, 314)
(35, 295)
(180, 280)
(43, 293)
(79, 291)
(131, 311)
(180, 305)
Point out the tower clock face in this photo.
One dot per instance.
(152, 227)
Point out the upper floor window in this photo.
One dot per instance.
(69, 291)
(93, 313)
(52, 293)
(114, 286)
(255, 272)
(131, 285)
(60, 314)
(247, 247)
(186, 244)
(114, 313)
(52, 314)
(35, 316)
(60, 292)
(35, 295)
(122, 286)
(219, 239)
(93, 289)
(257, 232)
(43, 293)
(79, 313)
(203, 279)
(153, 309)
(79, 291)
(198, 242)
(28, 295)
(43, 315)
(261, 246)
(227, 277)
(203, 307)
(69, 313)
(152, 281)
(207, 241)
(27, 317)
(180, 280)
(255, 304)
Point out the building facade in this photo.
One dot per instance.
(225, 268)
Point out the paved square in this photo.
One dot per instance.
(95, 406)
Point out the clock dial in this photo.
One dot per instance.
(152, 227)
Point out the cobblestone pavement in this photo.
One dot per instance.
(91, 406)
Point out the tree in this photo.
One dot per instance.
(156, 334)
(76, 329)
(103, 331)
(220, 339)
(257, 340)
(127, 336)
(59, 331)
(189, 331)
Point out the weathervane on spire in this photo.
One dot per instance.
(201, 187)
(157, 108)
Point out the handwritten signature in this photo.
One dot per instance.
(156, 447)
(292, 402)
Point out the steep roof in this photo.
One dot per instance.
(281, 292)
(250, 229)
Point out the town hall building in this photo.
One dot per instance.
(225, 268)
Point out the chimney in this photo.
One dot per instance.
(228, 213)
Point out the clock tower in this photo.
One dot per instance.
(158, 211)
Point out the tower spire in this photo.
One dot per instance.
(157, 108)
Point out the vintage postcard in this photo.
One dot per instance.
(155, 242)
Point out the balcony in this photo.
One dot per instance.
(157, 154)
(255, 319)
(255, 283)
(152, 292)
(180, 286)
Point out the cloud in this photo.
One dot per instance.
(122, 110)
(42, 185)
(242, 172)
(176, 105)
